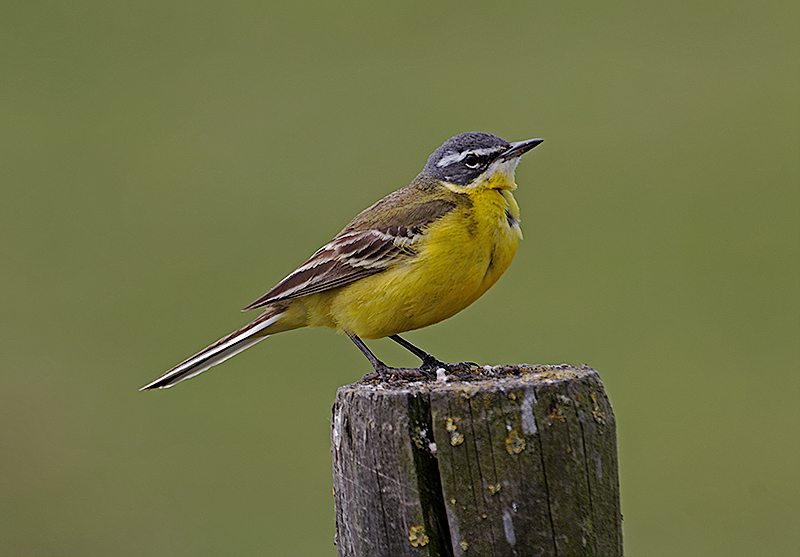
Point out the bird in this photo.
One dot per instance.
(416, 257)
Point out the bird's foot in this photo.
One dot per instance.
(427, 370)
(431, 364)
(386, 373)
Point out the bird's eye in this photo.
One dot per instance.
(471, 160)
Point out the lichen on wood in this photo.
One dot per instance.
(510, 460)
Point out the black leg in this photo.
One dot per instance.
(379, 366)
(382, 370)
(427, 369)
(430, 363)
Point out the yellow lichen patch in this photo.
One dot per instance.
(456, 437)
(417, 536)
(555, 416)
(514, 443)
(597, 412)
(450, 425)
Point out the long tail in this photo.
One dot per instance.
(224, 348)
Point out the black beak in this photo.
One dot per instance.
(519, 148)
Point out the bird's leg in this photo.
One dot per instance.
(429, 362)
(380, 368)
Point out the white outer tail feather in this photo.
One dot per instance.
(217, 353)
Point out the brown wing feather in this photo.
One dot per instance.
(345, 259)
(377, 238)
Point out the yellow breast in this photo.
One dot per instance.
(459, 258)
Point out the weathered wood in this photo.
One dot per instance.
(510, 460)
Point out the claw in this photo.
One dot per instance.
(432, 364)
(387, 373)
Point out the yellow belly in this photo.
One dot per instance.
(461, 257)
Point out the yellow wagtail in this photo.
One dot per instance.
(414, 258)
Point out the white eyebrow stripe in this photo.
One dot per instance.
(455, 157)
(449, 159)
(487, 150)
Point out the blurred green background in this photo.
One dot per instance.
(164, 164)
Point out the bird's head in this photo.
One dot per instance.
(477, 160)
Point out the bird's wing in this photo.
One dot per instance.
(367, 246)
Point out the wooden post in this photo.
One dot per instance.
(510, 460)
